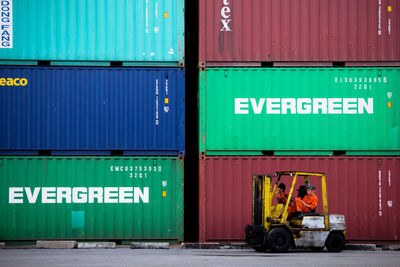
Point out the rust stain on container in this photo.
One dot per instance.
(364, 189)
(245, 32)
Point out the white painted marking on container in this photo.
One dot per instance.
(379, 17)
(380, 193)
(6, 24)
(147, 17)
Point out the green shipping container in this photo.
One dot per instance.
(91, 198)
(282, 111)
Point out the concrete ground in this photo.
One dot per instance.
(176, 256)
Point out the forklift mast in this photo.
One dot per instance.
(262, 199)
(259, 199)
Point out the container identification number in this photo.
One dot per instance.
(361, 82)
(137, 171)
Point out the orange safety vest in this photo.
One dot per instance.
(282, 198)
(292, 207)
(311, 200)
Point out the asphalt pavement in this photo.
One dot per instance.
(177, 256)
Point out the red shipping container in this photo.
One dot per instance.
(248, 32)
(364, 189)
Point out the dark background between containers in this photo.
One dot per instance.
(191, 169)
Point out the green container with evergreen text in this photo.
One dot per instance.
(96, 198)
(299, 111)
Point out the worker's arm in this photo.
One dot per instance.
(281, 198)
(311, 202)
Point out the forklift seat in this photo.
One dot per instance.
(300, 215)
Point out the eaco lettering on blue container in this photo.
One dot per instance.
(92, 111)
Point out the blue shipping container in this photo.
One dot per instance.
(87, 111)
(139, 32)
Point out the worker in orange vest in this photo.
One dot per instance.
(281, 195)
(292, 208)
(309, 202)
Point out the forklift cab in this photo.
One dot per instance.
(271, 229)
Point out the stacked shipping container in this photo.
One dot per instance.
(93, 32)
(290, 32)
(71, 110)
(364, 189)
(300, 110)
(86, 111)
(299, 118)
(91, 198)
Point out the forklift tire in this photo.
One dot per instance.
(279, 240)
(335, 242)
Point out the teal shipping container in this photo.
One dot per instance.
(92, 32)
(103, 198)
(300, 111)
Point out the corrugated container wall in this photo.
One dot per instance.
(94, 110)
(250, 111)
(91, 198)
(149, 32)
(249, 32)
(364, 189)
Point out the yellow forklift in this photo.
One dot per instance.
(271, 229)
